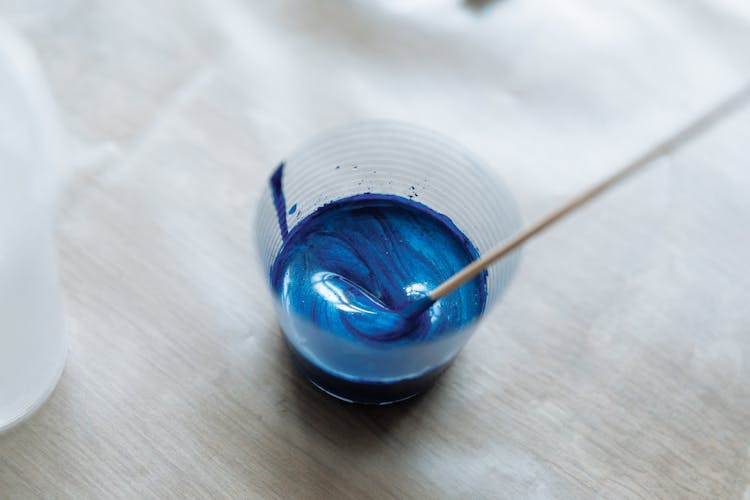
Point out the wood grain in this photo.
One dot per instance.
(616, 366)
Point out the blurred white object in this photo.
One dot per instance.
(32, 340)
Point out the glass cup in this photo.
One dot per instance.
(32, 341)
(393, 159)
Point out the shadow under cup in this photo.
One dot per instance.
(393, 159)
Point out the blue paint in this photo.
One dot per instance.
(364, 391)
(293, 209)
(278, 199)
(356, 265)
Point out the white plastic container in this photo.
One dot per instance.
(32, 339)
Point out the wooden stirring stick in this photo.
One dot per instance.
(670, 144)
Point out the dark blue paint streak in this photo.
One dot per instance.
(355, 264)
(278, 199)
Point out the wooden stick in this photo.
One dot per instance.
(668, 145)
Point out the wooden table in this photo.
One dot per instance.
(617, 365)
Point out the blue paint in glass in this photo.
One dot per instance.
(355, 265)
(358, 267)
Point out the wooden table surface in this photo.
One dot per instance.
(617, 365)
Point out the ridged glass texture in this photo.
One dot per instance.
(398, 159)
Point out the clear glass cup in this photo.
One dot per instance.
(395, 159)
(32, 340)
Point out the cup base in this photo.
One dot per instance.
(35, 403)
(365, 393)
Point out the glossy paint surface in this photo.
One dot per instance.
(352, 266)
